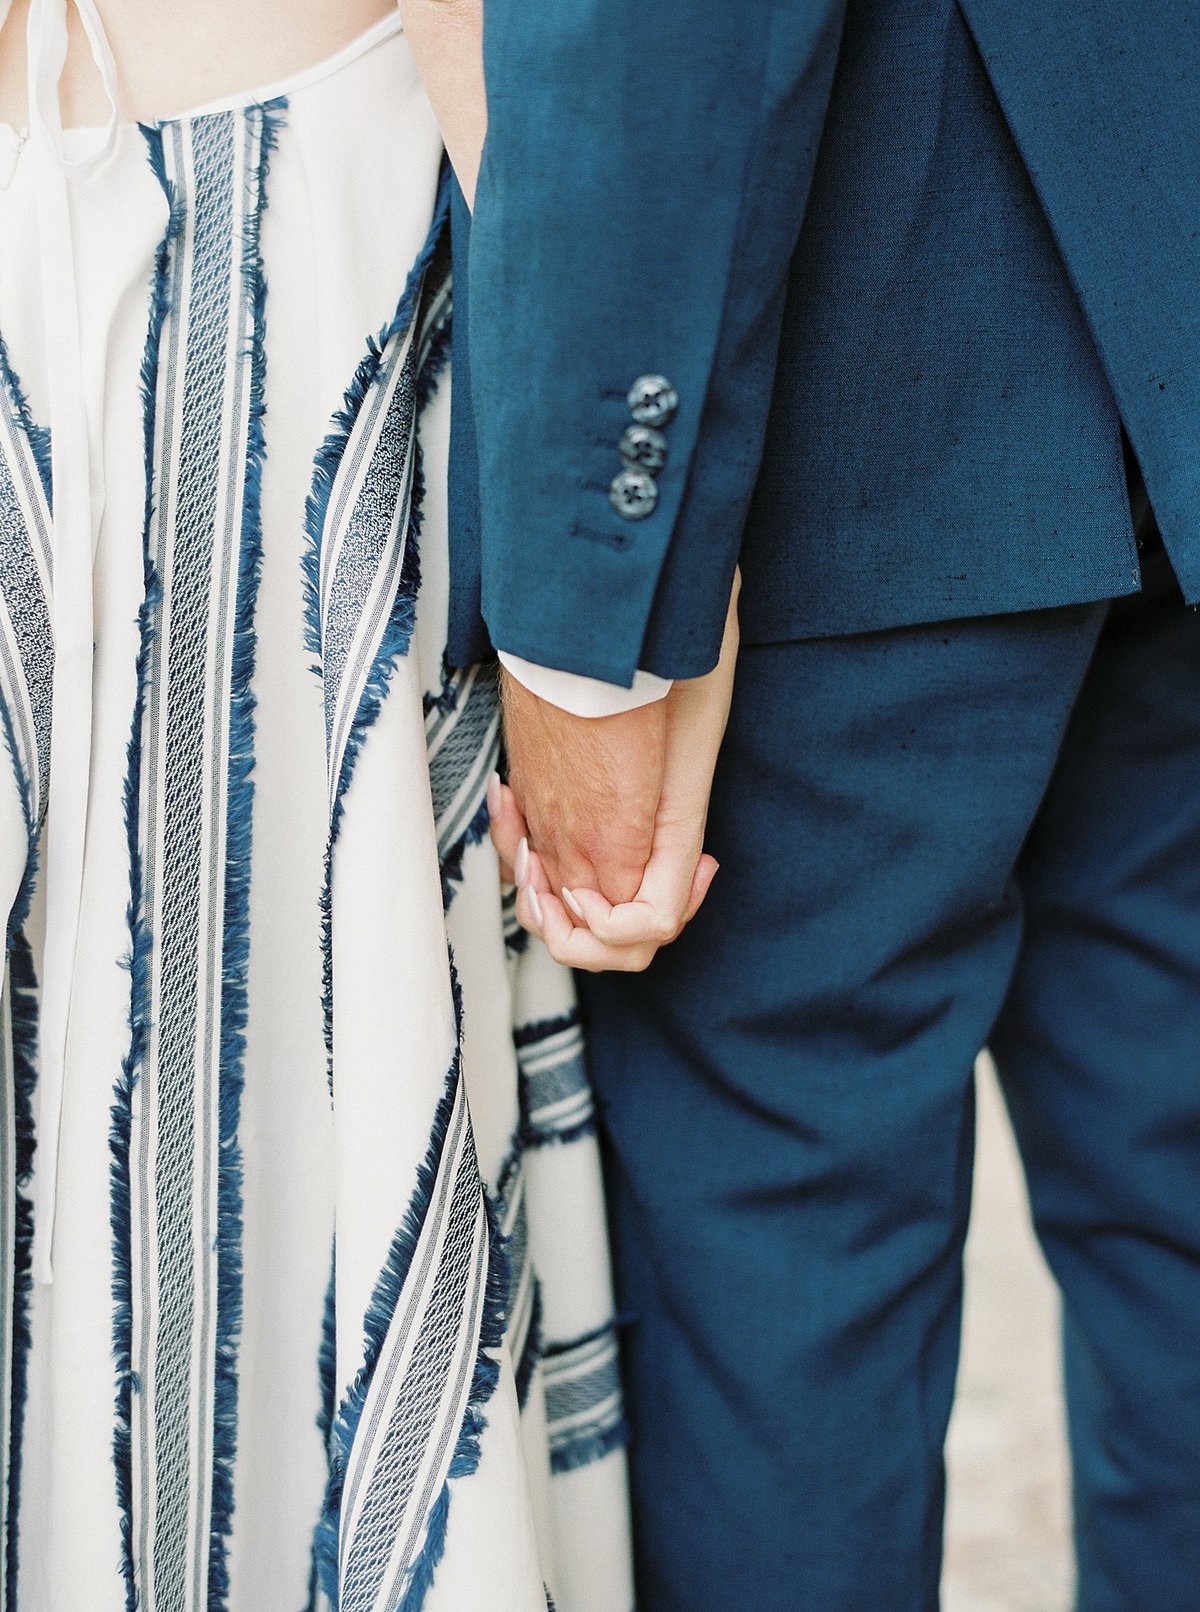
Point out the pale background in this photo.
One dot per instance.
(1008, 1517)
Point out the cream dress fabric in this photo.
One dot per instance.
(330, 1321)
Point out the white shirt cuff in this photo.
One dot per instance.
(585, 696)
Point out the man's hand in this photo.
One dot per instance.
(588, 787)
(602, 824)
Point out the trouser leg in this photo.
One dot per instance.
(786, 1099)
(1099, 1049)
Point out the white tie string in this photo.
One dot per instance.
(74, 540)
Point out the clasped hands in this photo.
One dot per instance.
(601, 824)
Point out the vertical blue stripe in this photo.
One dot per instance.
(23, 999)
(23, 996)
(263, 125)
(121, 1125)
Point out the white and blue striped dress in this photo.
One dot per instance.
(330, 1322)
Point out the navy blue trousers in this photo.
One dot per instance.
(986, 832)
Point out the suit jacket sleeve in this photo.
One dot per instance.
(642, 187)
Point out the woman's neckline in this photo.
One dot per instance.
(282, 88)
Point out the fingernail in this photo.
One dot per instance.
(535, 908)
(573, 904)
(521, 865)
(493, 796)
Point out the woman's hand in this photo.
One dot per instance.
(446, 39)
(579, 926)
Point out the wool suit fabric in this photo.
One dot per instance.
(914, 267)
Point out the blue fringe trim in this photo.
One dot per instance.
(327, 1358)
(38, 435)
(527, 1035)
(452, 864)
(397, 634)
(506, 1181)
(24, 1006)
(491, 1340)
(585, 1447)
(529, 1135)
(424, 279)
(533, 1349)
(23, 996)
(329, 455)
(384, 1300)
(465, 1459)
(141, 940)
(531, 1354)
(430, 374)
(399, 628)
(326, 932)
(327, 1368)
(236, 939)
(589, 1447)
(533, 1138)
(24, 783)
(566, 1346)
(516, 939)
(446, 700)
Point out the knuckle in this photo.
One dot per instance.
(628, 883)
(621, 881)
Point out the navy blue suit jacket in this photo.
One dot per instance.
(910, 264)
